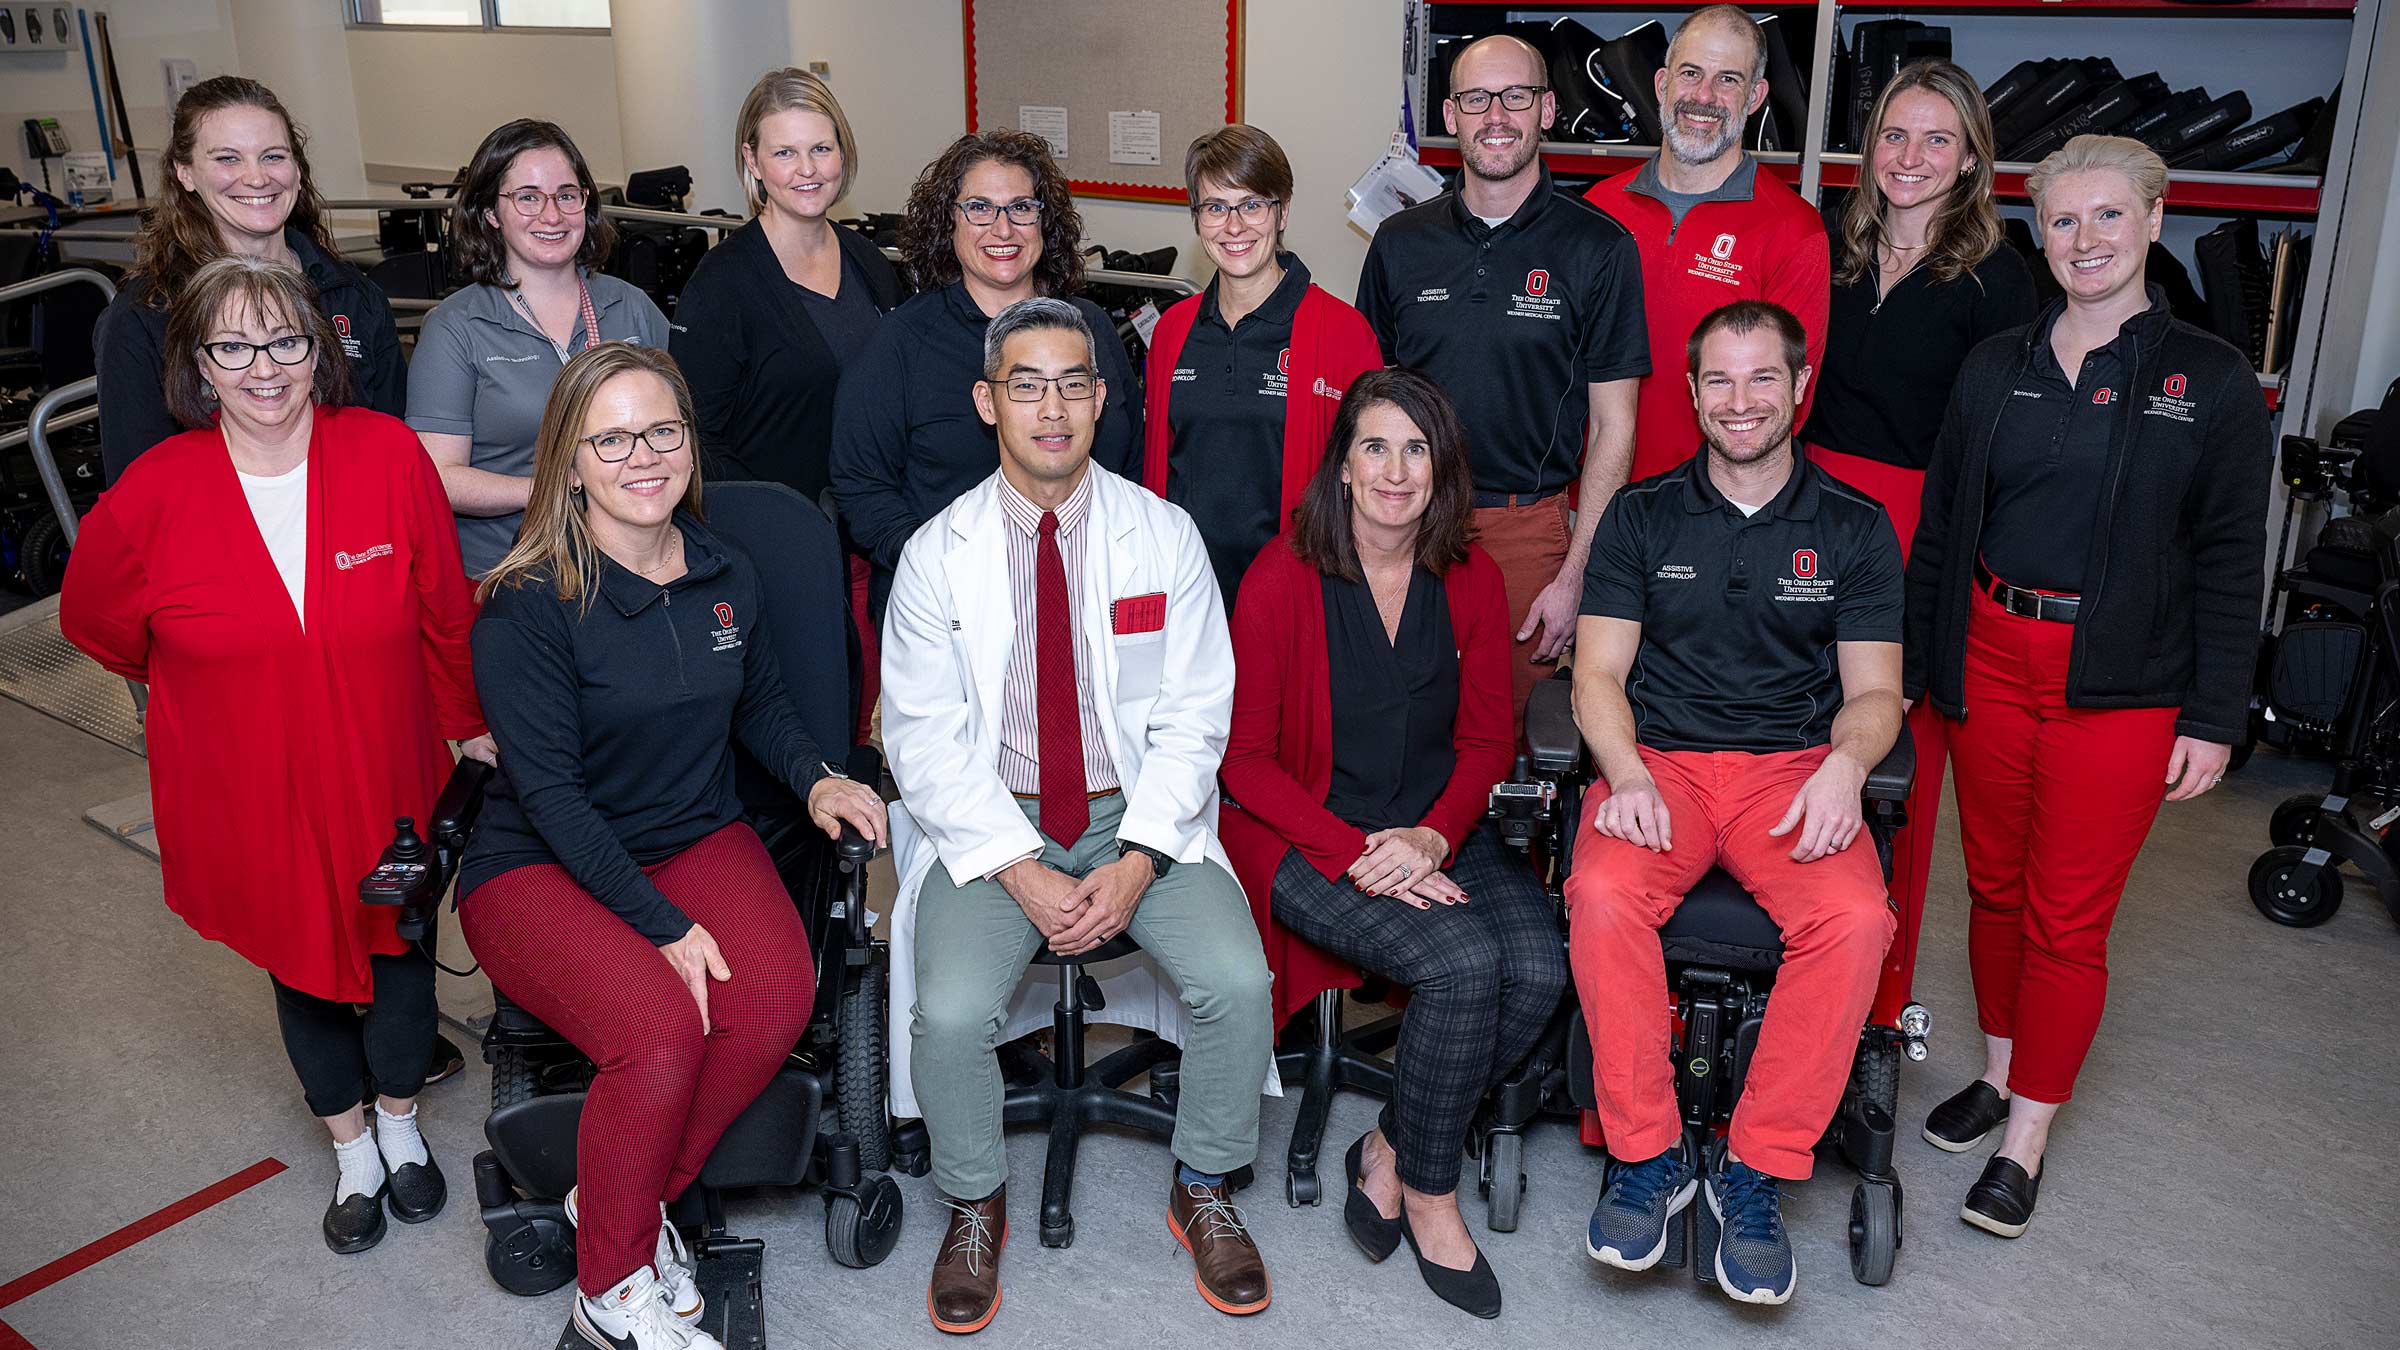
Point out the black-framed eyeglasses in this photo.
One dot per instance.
(1515, 98)
(1252, 210)
(614, 447)
(528, 201)
(283, 351)
(1022, 211)
(1031, 388)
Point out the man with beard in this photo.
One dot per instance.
(1712, 226)
(1527, 307)
(1737, 673)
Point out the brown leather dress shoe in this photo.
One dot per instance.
(1225, 1263)
(965, 1289)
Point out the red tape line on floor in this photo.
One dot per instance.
(10, 1340)
(92, 1253)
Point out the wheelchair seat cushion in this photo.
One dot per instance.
(1719, 924)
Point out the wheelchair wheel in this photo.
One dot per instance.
(1503, 1179)
(513, 1079)
(2280, 893)
(1874, 1232)
(860, 1087)
(861, 1229)
(2294, 823)
(531, 1257)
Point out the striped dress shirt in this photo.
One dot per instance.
(1020, 728)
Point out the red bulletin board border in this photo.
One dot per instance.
(1128, 192)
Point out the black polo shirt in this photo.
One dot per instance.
(1740, 614)
(1513, 320)
(2050, 464)
(1226, 404)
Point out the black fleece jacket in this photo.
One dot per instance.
(2178, 559)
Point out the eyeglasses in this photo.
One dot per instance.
(528, 201)
(283, 351)
(614, 447)
(1031, 388)
(1515, 98)
(1253, 211)
(1022, 211)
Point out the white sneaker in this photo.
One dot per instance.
(635, 1316)
(675, 1269)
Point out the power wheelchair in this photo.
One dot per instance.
(838, 1067)
(1722, 951)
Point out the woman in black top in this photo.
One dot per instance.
(989, 223)
(233, 179)
(2085, 583)
(1920, 276)
(612, 888)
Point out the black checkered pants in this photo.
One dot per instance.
(1483, 977)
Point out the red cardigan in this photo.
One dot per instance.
(1331, 346)
(279, 753)
(1279, 758)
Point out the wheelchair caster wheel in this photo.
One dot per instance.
(1504, 1180)
(2294, 822)
(1061, 1236)
(530, 1258)
(1300, 1188)
(912, 1163)
(1874, 1232)
(861, 1229)
(2286, 890)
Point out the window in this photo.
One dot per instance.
(588, 14)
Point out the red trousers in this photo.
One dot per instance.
(664, 1093)
(2053, 804)
(1529, 543)
(1836, 924)
(1902, 492)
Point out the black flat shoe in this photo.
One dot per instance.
(355, 1224)
(2001, 1200)
(1962, 1122)
(416, 1191)
(1375, 1235)
(447, 1061)
(1474, 1291)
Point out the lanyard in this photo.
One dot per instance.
(591, 319)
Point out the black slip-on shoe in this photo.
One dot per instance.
(2001, 1200)
(1375, 1235)
(416, 1191)
(355, 1224)
(1962, 1122)
(1475, 1290)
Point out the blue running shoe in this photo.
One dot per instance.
(1629, 1225)
(1754, 1254)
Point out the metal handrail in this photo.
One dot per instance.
(10, 440)
(37, 437)
(51, 281)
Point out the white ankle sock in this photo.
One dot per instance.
(397, 1138)
(362, 1168)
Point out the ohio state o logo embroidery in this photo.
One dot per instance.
(1283, 361)
(341, 325)
(1804, 563)
(724, 615)
(1722, 249)
(2174, 386)
(1537, 281)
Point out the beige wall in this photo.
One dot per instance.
(426, 99)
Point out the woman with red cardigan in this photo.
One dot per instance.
(1243, 379)
(286, 578)
(1356, 823)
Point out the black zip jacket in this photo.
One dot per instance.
(616, 725)
(129, 342)
(2178, 557)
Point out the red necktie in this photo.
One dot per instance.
(1066, 806)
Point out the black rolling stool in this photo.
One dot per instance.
(1329, 1061)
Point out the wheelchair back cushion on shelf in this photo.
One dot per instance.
(2315, 662)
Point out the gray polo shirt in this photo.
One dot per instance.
(483, 370)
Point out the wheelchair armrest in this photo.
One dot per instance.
(455, 811)
(1891, 780)
(1551, 737)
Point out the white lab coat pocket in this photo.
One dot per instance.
(1141, 659)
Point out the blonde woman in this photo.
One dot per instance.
(2085, 581)
(612, 889)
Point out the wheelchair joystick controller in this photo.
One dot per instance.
(403, 877)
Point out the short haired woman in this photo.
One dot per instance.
(2085, 582)
(529, 239)
(285, 578)
(989, 223)
(612, 888)
(1244, 378)
(233, 179)
(1370, 720)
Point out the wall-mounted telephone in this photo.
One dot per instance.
(45, 138)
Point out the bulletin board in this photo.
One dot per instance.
(1124, 81)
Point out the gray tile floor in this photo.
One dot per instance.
(2225, 1181)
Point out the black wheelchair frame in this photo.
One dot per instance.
(1721, 952)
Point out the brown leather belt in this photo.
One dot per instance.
(1089, 796)
(2026, 604)
(1487, 501)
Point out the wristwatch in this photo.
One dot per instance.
(1159, 862)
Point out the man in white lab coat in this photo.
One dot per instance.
(1057, 687)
